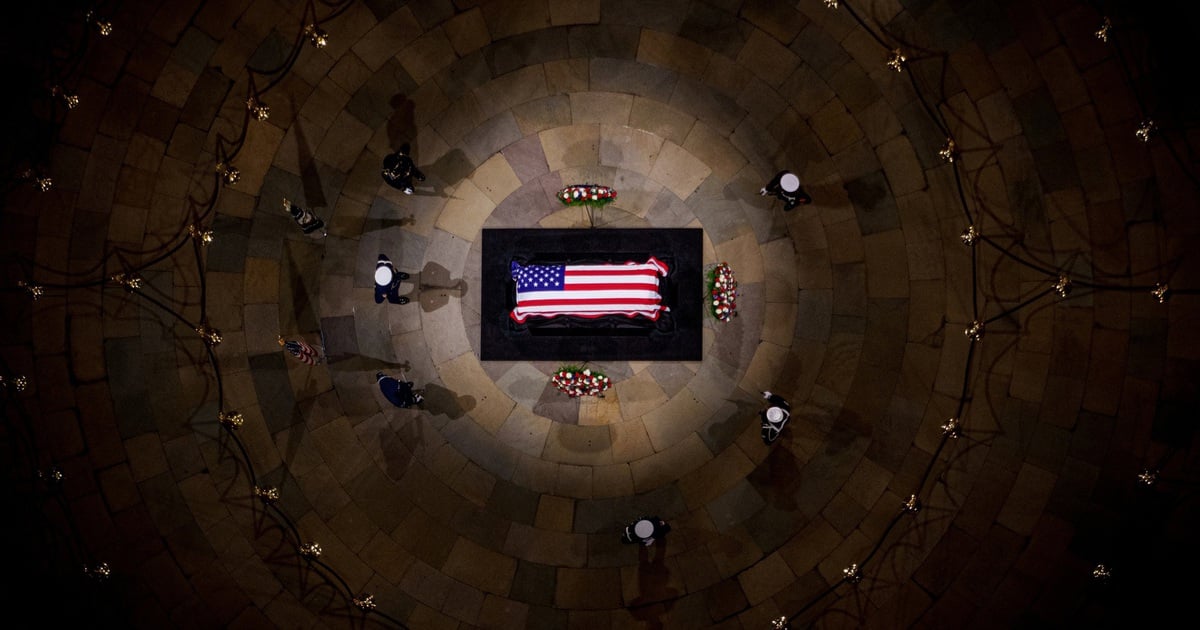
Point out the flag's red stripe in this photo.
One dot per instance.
(651, 315)
(614, 302)
(608, 286)
(611, 271)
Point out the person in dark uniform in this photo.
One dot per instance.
(399, 170)
(785, 186)
(398, 392)
(387, 282)
(304, 218)
(774, 417)
(645, 530)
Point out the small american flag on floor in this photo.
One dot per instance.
(631, 289)
(302, 351)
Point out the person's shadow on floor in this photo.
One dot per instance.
(655, 597)
(442, 401)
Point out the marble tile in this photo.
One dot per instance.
(607, 108)
(886, 265)
(482, 568)
(174, 84)
(525, 431)
(351, 73)
(526, 158)
(467, 31)
(639, 395)
(444, 331)
(769, 361)
(1027, 500)
(503, 613)
(463, 603)
(904, 171)
(458, 119)
(715, 477)
(472, 483)
(465, 212)
(629, 441)
(555, 513)
(527, 49)
(628, 148)
(564, 76)
(343, 142)
(845, 242)
(678, 170)
(630, 77)
(596, 411)
(575, 12)
(668, 465)
(744, 257)
(512, 89)
(766, 578)
(669, 423)
(337, 442)
(496, 179)
(543, 113)
(660, 119)
(146, 457)
(655, 581)
(463, 374)
(588, 589)
(576, 145)
(512, 17)
(424, 616)
(522, 382)
(719, 110)
(492, 135)
(733, 551)
(559, 549)
(671, 51)
(874, 207)
(779, 277)
(767, 58)
(836, 127)
(573, 444)
(426, 55)
(573, 481)
(734, 505)
(715, 151)
(612, 481)
(672, 377)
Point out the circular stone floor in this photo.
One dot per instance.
(499, 503)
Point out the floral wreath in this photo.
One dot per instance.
(722, 292)
(593, 195)
(575, 381)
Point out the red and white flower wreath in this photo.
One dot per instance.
(586, 195)
(575, 382)
(722, 292)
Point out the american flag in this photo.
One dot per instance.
(630, 289)
(302, 351)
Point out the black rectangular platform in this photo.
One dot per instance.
(675, 336)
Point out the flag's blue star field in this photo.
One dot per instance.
(541, 278)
